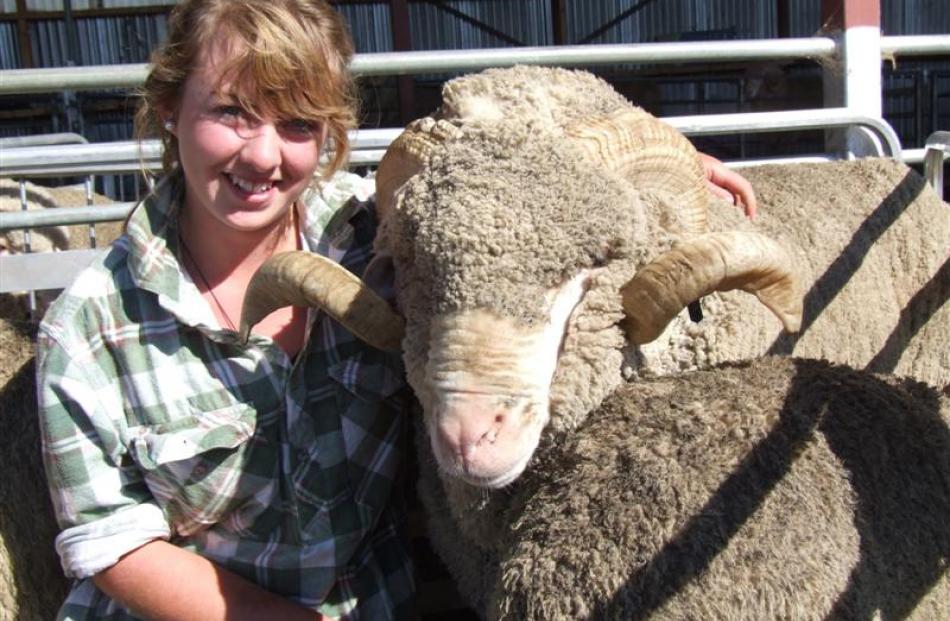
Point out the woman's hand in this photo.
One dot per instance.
(729, 185)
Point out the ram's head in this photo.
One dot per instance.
(521, 246)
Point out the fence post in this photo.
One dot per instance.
(853, 79)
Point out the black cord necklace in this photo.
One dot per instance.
(191, 259)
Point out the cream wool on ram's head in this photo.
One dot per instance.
(516, 220)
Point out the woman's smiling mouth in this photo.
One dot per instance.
(247, 186)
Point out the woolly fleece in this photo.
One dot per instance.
(551, 96)
(872, 242)
(770, 489)
(32, 585)
(461, 239)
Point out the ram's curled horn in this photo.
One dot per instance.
(305, 279)
(650, 155)
(406, 156)
(711, 262)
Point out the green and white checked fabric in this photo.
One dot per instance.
(157, 423)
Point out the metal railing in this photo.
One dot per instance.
(21, 81)
(369, 145)
(937, 149)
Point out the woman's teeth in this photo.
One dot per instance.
(249, 186)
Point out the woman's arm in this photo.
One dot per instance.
(164, 582)
(113, 531)
(729, 185)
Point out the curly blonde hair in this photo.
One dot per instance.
(290, 60)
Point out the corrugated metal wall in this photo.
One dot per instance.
(525, 22)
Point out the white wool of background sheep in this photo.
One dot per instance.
(871, 241)
(44, 239)
(50, 238)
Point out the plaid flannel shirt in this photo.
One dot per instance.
(158, 424)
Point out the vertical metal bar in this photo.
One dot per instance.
(92, 227)
(27, 245)
(740, 103)
(402, 42)
(920, 78)
(783, 19)
(72, 39)
(938, 147)
(854, 80)
(559, 22)
(23, 36)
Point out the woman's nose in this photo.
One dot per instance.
(261, 150)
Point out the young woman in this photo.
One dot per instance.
(195, 477)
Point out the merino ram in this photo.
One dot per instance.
(529, 217)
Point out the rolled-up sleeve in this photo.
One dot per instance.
(101, 501)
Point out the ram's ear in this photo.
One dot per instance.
(306, 279)
(711, 262)
(650, 155)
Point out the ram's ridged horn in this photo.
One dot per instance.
(305, 279)
(406, 156)
(651, 155)
(711, 262)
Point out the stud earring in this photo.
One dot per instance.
(168, 125)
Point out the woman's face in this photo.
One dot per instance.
(240, 171)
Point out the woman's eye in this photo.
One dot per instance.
(300, 127)
(228, 111)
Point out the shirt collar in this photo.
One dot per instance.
(154, 243)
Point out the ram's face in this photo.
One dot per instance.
(486, 382)
(493, 276)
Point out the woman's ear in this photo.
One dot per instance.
(167, 115)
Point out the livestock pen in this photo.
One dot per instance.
(869, 135)
(855, 128)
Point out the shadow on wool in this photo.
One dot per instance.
(913, 317)
(829, 285)
(28, 532)
(899, 561)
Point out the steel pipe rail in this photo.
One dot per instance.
(434, 61)
(369, 145)
(91, 77)
(129, 156)
(88, 214)
(757, 122)
(79, 159)
(99, 77)
(400, 63)
(18, 142)
(915, 45)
